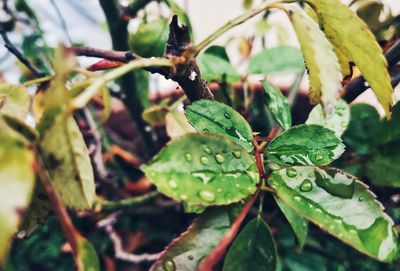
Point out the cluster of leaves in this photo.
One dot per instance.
(214, 164)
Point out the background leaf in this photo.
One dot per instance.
(341, 205)
(87, 256)
(337, 121)
(298, 223)
(187, 251)
(17, 183)
(278, 105)
(203, 170)
(350, 34)
(253, 249)
(218, 118)
(321, 61)
(305, 145)
(14, 101)
(276, 60)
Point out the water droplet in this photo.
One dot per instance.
(220, 158)
(306, 186)
(318, 157)
(318, 210)
(291, 172)
(360, 198)
(237, 185)
(169, 265)
(207, 149)
(188, 157)
(297, 198)
(190, 257)
(207, 195)
(206, 130)
(183, 197)
(172, 184)
(237, 154)
(219, 190)
(227, 115)
(204, 160)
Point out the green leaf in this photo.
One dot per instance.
(298, 223)
(21, 128)
(321, 61)
(337, 121)
(17, 183)
(253, 249)
(203, 169)
(341, 205)
(14, 101)
(384, 170)
(305, 145)
(278, 105)
(363, 127)
(66, 157)
(217, 118)
(150, 38)
(214, 67)
(350, 34)
(87, 256)
(187, 251)
(39, 210)
(276, 60)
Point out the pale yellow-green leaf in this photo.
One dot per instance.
(321, 61)
(351, 35)
(16, 182)
(177, 124)
(14, 100)
(66, 157)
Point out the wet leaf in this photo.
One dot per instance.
(217, 118)
(305, 145)
(298, 223)
(278, 105)
(66, 157)
(203, 169)
(187, 251)
(150, 38)
(321, 61)
(347, 32)
(337, 121)
(214, 67)
(276, 60)
(341, 205)
(253, 249)
(17, 183)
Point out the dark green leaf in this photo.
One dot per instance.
(87, 256)
(341, 205)
(305, 145)
(187, 251)
(253, 249)
(298, 223)
(217, 118)
(277, 60)
(215, 65)
(278, 105)
(203, 169)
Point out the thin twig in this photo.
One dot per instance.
(110, 206)
(62, 21)
(13, 50)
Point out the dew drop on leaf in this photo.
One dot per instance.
(360, 198)
(183, 197)
(219, 158)
(169, 265)
(227, 115)
(190, 257)
(207, 195)
(291, 172)
(188, 157)
(172, 184)
(207, 149)
(306, 186)
(204, 160)
(237, 154)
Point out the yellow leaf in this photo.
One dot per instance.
(348, 33)
(321, 61)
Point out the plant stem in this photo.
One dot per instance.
(98, 82)
(229, 25)
(111, 206)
